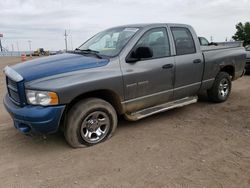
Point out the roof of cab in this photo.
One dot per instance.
(142, 25)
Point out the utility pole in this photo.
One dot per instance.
(29, 41)
(211, 38)
(70, 38)
(12, 49)
(1, 47)
(65, 37)
(17, 46)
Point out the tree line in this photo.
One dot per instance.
(242, 33)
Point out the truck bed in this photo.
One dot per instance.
(221, 46)
(218, 56)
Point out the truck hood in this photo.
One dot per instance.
(57, 64)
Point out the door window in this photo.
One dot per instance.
(157, 40)
(184, 43)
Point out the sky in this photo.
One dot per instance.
(43, 22)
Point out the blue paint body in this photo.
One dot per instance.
(58, 64)
(37, 119)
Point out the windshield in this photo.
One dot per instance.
(110, 42)
(248, 48)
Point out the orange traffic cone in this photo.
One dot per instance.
(23, 57)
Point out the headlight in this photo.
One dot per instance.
(43, 98)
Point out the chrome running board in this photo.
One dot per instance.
(160, 108)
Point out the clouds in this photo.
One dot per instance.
(44, 22)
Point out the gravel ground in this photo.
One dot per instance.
(200, 145)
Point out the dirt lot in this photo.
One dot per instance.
(201, 145)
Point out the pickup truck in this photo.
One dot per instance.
(132, 70)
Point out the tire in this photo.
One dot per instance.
(90, 122)
(221, 88)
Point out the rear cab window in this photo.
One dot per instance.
(183, 39)
(203, 41)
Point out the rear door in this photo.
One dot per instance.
(188, 61)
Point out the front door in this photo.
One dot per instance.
(149, 82)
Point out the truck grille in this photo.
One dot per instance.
(12, 87)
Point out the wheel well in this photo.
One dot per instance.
(106, 95)
(229, 69)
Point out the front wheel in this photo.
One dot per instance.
(221, 88)
(90, 122)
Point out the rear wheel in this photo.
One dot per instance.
(90, 122)
(221, 88)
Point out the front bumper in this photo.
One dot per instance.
(34, 119)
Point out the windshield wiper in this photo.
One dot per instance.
(89, 51)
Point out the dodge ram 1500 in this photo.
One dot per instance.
(132, 70)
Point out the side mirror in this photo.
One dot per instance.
(142, 52)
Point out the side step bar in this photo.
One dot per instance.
(160, 108)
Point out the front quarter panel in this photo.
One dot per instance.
(70, 85)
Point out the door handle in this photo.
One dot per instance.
(197, 61)
(167, 66)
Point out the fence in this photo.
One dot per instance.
(14, 53)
